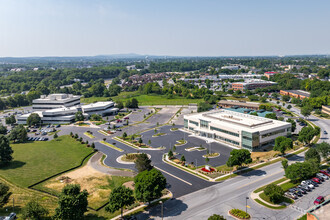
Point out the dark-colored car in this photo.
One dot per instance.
(319, 200)
(303, 191)
(325, 132)
(304, 187)
(11, 216)
(296, 192)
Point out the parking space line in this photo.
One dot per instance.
(173, 176)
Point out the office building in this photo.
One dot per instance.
(239, 104)
(251, 84)
(55, 101)
(299, 94)
(236, 129)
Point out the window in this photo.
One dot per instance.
(226, 140)
(204, 124)
(224, 131)
(273, 133)
(193, 122)
(185, 123)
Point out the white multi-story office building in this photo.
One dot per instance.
(66, 115)
(236, 129)
(53, 101)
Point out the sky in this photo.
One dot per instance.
(172, 27)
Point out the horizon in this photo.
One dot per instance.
(183, 29)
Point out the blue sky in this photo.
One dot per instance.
(171, 27)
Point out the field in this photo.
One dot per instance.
(144, 99)
(36, 161)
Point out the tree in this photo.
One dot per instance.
(254, 113)
(142, 162)
(216, 217)
(120, 104)
(285, 163)
(96, 117)
(55, 135)
(293, 124)
(140, 141)
(149, 142)
(323, 149)
(271, 116)
(170, 154)
(289, 107)
(301, 171)
(183, 159)
(285, 98)
(306, 111)
(3, 129)
(282, 143)
(203, 106)
(174, 148)
(18, 134)
(120, 198)
(10, 120)
(5, 150)
(134, 103)
(33, 119)
(149, 185)
(124, 135)
(4, 194)
(207, 160)
(306, 134)
(72, 203)
(79, 116)
(274, 192)
(312, 154)
(239, 157)
(34, 210)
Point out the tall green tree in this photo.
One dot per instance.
(34, 210)
(301, 171)
(120, 198)
(18, 134)
(72, 203)
(149, 185)
(306, 111)
(143, 162)
(312, 154)
(5, 150)
(239, 157)
(306, 134)
(3, 129)
(79, 116)
(323, 149)
(33, 119)
(4, 194)
(274, 192)
(10, 120)
(282, 143)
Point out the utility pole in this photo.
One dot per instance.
(161, 202)
(246, 199)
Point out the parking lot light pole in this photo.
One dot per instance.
(161, 202)
(246, 199)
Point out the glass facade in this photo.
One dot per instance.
(193, 122)
(224, 131)
(273, 133)
(204, 124)
(226, 140)
(185, 121)
(250, 140)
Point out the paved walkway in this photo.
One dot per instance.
(95, 162)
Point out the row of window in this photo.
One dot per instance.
(227, 140)
(224, 131)
(273, 133)
(193, 122)
(204, 124)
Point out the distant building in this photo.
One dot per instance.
(251, 84)
(269, 74)
(326, 109)
(299, 94)
(236, 129)
(230, 104)
(55, 101)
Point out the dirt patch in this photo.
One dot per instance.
(263, 155)
(129, 184)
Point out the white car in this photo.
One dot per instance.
(323, 176)
(311, 186)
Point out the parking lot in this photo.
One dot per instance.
(305, 202)
(171, 138)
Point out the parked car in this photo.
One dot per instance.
(312, 182)
(306, 183)
(325, 177)
(325, 132)
(126, 118)
(328, 169)
(37, 133)
(304, 187)
(118, 129)
(46, 139)
(325, 172)
(316, 180)
(319, 200)
(11, 216)
(290, 195)
(296, 192)
(57, 126)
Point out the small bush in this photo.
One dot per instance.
(239, 214)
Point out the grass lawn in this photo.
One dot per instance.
(36, 161)
(150, 99)
(286, 186)
(275, 182)
(284, 199)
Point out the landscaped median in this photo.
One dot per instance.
(89, 135)
(104, 132)
(112, 146)
(158, 134)
(180, 143)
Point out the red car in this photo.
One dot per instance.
(316, 180)
(118, 120)
(319, 200)
(126, 118)
(324, 172)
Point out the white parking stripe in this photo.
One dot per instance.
(173, 176)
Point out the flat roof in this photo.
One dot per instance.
(97, 104)
(298, 92)
(56, 97)
(248, 104)
(254, 81)
(239, 121)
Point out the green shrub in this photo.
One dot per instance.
(239, 214)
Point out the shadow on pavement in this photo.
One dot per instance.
(254, 173)
(171, 208)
